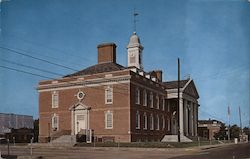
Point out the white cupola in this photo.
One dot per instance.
(135, 52)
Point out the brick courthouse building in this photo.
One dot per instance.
(117, 103)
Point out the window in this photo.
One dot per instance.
(55, 122)
(163, 122)
(168, 120)
(145, 98)
(109, 95)
(137, 120)
(163, 103)
(157, 102)
(168, 106)
(108, 120)
(137, 96)
(157, 123)
(151, 122)
(55, 99)
(145, 121)
(151, 100)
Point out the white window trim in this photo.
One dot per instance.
(145, 98)
(151, 122)
(157, 102)
(106, 119)
(137, 120)
(151, 100)
(53, 125)
(145, 121)
(157, 122)
(106, 95)
(55, 104)
(163, 122)
(168, 106)
(137, 96)
(163, 103)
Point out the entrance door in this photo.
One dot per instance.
(81, 123)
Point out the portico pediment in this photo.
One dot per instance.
(191, 90)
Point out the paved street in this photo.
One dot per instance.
(239, 151)
(226, 152)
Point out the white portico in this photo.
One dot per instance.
(188, 107)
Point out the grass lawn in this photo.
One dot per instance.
(149, 144)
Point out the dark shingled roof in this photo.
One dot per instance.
(174, 84)
(98, 68)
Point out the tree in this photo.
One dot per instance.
(234, 131)
(36, 130)
(222, 133)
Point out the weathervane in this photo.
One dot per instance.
(135, 14)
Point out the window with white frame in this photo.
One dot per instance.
(151, 100)
(145, 98)
(137, 96)
(137, 120)
(157, 122)
(55, 99)
(157, 102)
(163, 122)
(168, 106)
(108, 95)
(163, 103)
(55, 122)
(108, 120)
(151, 122)
(145, 121)
(168, 120)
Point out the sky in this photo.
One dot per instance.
(211, 38)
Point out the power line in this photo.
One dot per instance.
(33, 57)
(31, 67)
(49, 78)
(26, 72)
(36, 58)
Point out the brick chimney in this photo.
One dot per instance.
(106, 52)
(159, 75)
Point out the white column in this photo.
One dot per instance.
(192, 118)
(181, 116)
(195, 118)
(186, 117)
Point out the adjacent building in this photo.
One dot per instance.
(117, 103)
(208, 128)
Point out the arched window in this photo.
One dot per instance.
(145, 98)
(157, 122)
(163, 122)
(145, 121)
(157, 102)
(55, 122)
(151, 100)
(151, 122)
(137, 120)
(163, 103)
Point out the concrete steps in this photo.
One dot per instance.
(65, 140)
(174, 138)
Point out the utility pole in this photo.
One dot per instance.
(240, 119)
(178, 102)
(228, 113)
